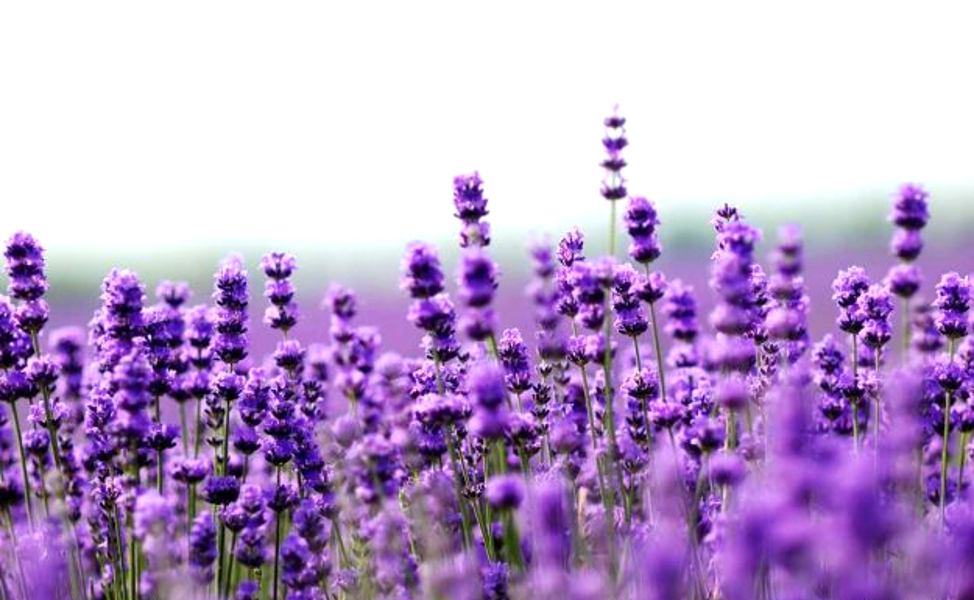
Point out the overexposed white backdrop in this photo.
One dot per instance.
(156, 125)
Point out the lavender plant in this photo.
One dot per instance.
(626, 448)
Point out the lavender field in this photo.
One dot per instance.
(695, 432)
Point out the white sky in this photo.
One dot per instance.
(169, 123)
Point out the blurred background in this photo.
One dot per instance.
(162, 136)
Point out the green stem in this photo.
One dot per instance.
(458, 486)
(221, 538)
(962, 458)
(184, 431)
(905, 319)
(198, 430)
(23, 463)
(277, 552)
(658, 350)
(945, 445)
(855, 381)
(612, 228)
(878, 399)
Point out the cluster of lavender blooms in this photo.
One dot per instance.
(627, 448)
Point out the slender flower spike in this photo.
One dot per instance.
(471, 208)
(25, 267)
(846, 290)
(952, 303)
(422, 275)
(231, 297)
(477, 283)
(910, 214)
(614, 141)
(279, 290)
(641, 221)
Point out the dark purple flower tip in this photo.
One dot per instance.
(435, 314)
(278, 265)
(948, 375)
(738, 238)
(642, 384)
(289, 356)
(422, 275)
(725, 214)
(37, 441)
(477, 278)
(613, 192)
(32, 315)
(230, 284)
(25, 267)
(645, 249)
(848, 286)
(42, 372)
(613, 163)
(570, 247)
(827, 356)
(505, 491)
(162, 436)
(615, 144)
(278, 452)
(24, 251)
(910, 207)
(907, 244)
(904, 280)
(468, 197)
(640, 218)
(200, 326)
(342, 302)
(221, 490)
(615, 120)
(122, 294)
(173, 293)
(851, 320)
(281, 317)
(245, 439)
(952, 303)
(876, 303)
(192, 470)
(665, 414)
(14, 386)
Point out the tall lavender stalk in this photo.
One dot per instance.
(910, 215)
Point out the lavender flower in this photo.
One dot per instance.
(614, 141)
(641, 221)
(279, 290)
(471, 208)
(231, 297)
(952, 303)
